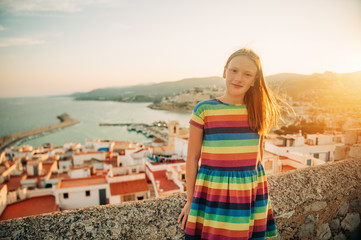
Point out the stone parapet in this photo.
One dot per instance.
(321, 202)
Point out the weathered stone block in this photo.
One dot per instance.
(316, 206)
(351, 222)
(286, 215)
(324, 232)
(356, 203)
(340, 236)
(343, 209)
(307, 227)
(335, 224)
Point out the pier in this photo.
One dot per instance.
(65, 121)
(150, 131)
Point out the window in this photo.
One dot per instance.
(87, 193)
(65, 195)
(134, 170)
(140, 197)
(316, 155)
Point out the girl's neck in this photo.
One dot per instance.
(232, 99)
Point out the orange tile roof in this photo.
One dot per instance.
(164, 183)
(30, 207)
(286, 168)
(14, 182)
(79, 182)
(140, 150)
(33, 162)
(158, 140)
(47, 166)
(146, 177)
(79, 167)
(85, 153)
(59, 175)
(128, 187)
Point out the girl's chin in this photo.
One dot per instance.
(239, 92)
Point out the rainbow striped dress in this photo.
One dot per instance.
(230, 198)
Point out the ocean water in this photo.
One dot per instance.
(21, 114)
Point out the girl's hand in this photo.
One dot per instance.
(184, 214)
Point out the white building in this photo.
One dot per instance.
(3, 197)
(80, 157)
(132, 187)
(64, 165)
(80, 172)
(98, 145)
(181, 147)
(34, 168)
(163, 183)
(82, 192)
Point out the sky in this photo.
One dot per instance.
(53, 47)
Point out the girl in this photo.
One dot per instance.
(227, 198)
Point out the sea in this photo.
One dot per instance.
(22, 114)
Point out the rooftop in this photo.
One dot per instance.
(79, 182)
(87, 153)
(14, 182)
(128, 187)
(43, 204)
(164, 182)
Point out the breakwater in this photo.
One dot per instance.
(65, 121)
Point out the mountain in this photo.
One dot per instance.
(291, 84)
(296, 84)
(149, 92)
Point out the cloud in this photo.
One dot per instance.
(2, 28)
(51, 5)
(8, 42)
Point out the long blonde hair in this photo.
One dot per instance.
(262, 104)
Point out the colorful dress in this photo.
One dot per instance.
(230, 198)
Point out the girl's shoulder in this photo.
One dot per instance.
(205, 104)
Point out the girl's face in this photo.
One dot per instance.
(240, 75)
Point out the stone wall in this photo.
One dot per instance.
(321, 202)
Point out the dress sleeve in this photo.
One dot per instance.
(197, 118)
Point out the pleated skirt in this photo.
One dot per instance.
(231, 205)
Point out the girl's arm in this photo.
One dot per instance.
(261, 149)
(193, 155)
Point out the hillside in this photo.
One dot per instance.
(149, 92)
(328, 84)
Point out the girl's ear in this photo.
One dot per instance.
(224, 72)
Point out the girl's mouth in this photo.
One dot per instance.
(236, 85)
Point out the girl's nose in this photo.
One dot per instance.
(238, 78)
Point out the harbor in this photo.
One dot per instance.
(65, 121)
(158, 129)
